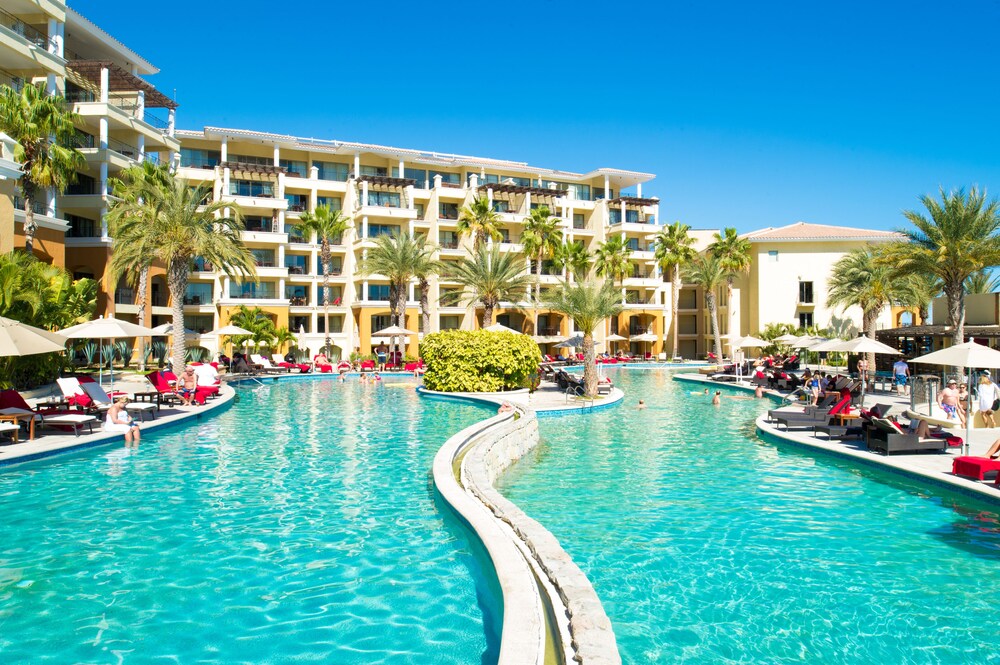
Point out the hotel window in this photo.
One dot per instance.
(376, 230)
(200, 324)
(294, 166)
(297, 202)
(579, 222)
(772, 256)
(580, 192)
(448, 239)
(252, 159)
(374, 170)
(633, 244)
(297, 295)
(380, 321)
(263, 258)
(378, 292)
(336, 324)
(84, 186)
(599, 193)
(805, 319)
(332, 202)
(501, 206)
(806, 292)
(296, 322)
(81, 227)
(450, 322)
(384, 199)
(200, 159)
(490, 179)
(614, 216)
(251, 188)
(297, 264)
(253, 291)
(332, 171)
(450, 178)
(448, 210)
(420, 175)
(198, 294)
(258, 223)
(421, 209)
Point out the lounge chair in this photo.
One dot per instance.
(888, 438)
(267, 367)
(162, 386)
(367, 365)
(100, 400)
(11, 401)
(822, 405)
(813, 419)
(974, 467)
(281, 362)
(322, 368)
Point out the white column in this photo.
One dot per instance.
(105, 85)
(140, 145)
(527, 203)
(364, 290)
(437, 181)
(364, 227)
(473, 182)
(55, 47)
(314, 174)
(357, 164)
(409, 198)
(281, 288)
(638, 190)
(225, 181)
(171, 121)
(411, 297)
(277, 155)
(607, 187)
(364, 198)
(104, 192)
(489, 196)
(224, 150)
(281, 259)
(226, 286)
(50, 202)
(102, 136)
(140, 104)
(402, 169)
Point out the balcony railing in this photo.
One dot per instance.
(124, 296)
(297, 269)
(263, 294)
(298, 238)
(448, 244)
(579, 224)
(198, 299)
(123, 148)
(11, 81)
(156, 121)
(37, 207)
(297, 301)
(260, 227)
(15, 24)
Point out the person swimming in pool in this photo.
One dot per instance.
(717, 399)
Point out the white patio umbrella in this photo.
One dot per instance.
(864, 344)
(300, 340)
(107, 328)
(394, 331)
(20, 339)
(614, 337)
(230, 331)
(499, 327)
(574, 342)
(966, 355)
(643, 338)
(787, 339)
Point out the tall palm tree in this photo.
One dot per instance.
(860, 279)
(588, 304)
(399, 258)
(611, 259)
(982, 281)
(134, 261)
(46, 145)
(185, 224)
(959, 236)
(574, 258)
(920, 292)
(707, 272)
(541, 239)
(424, 267)
(734, 254)
(328, 225)
(479, 220)
(283, 336)
(255, 320)
(489, 277)
(674, 250)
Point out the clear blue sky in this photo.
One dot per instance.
(750, 114)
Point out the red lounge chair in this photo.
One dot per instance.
(367, 364)
(974, 467)
(58, 418)
(160, 384)
(322, 367)
(343, 366)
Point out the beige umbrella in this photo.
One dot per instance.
(965, 355)
(230, 331)
(787, 339)
(394, 331)
(499, 327)
(863, 344)
(20, 339)
(615, 337)
(107, 328)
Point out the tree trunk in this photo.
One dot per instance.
(589, 365)
(538, 279)
(676, 297)
(488, 314)
(713, 309)
(924, 312)
(955, 293)
(177, 279)
(325, 251)
(141, 304)
(425, 309)
(29, 221)
(870, 321)
(729, 306)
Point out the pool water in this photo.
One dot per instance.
(299, 525)
(708, 545)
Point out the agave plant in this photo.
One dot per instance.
(89, 351)
(124, 348)
(160, 351)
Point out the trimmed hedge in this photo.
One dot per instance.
(478, 361)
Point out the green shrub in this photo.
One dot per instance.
(478, 361)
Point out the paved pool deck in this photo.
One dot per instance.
(935, 467)
(49, 441)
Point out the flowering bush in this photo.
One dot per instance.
(478, 361)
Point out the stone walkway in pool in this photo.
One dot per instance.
(934, 466)
(50, 441)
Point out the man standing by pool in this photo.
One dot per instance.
(902, 373)
(381, 351)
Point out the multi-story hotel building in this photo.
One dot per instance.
(384, 190)
(123, 120)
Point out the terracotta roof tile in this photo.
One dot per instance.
(806, 231)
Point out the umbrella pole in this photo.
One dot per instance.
(968, 415)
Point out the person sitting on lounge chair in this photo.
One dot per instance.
(118, 420)
(187, 385)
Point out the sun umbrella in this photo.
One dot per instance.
(965, 355)
(393, 331)
(230, 331)
(300, 341)
(751, 342)
(107, 328)
(787, 339)
(499, 327)
(574, 342)
(863, 344)
(20, 339)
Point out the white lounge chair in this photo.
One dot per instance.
(101, 401)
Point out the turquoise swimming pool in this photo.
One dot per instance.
(299, 525)
(707, 545)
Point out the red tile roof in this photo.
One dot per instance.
(805, 231)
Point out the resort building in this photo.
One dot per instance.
(385, 190)
(123, 120)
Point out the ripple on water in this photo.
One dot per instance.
(707, 545)
(299, 525)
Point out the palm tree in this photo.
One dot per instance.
(588, 304)
(255, 320)
(479, 220)
(707, 272)
(134, 261)
(674, 251)
(734, 254)
(860, 278)
(281, 337)
(960, 237)
(611, 259)
(982, 281)
(424, 267)
(574, 258)
(541, 239)
(186, 224)
(46, 138)
(328, 225)
(399, 258)
(921, 290)
(489, 277)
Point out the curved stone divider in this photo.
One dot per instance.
(893, 465)
(519, 546)
(39, 449)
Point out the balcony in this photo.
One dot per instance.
(124, 296)
(25, 31)
(11, 81)
(198, 300)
